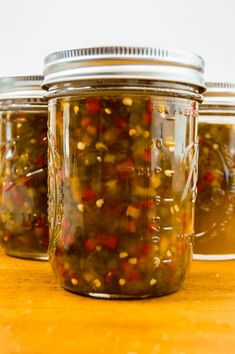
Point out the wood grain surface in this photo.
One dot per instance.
(39, 317)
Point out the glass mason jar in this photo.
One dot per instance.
(23, 167)
(215, 206)
(122, 168)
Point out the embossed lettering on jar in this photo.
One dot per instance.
(122, 168)
(215, 207)
(23, 167)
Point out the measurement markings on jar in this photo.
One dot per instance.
(161, 229)
(156, 239)
(164, 201)
(168, 200)
(166, 260)
(149, 171)
(164, 228)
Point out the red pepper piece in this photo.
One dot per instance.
(90, 244)
(121, 122)
(148, 155)
(40, 161)
(23, 180)
(199, 186)
(134, 275)
(93, 105)
(209, 177)
(110, 241)
(108, 277)
(153, 227)
(146, 249)
(146, 204)
(85, 122)
(148, 118)
(88, 195)
(125, 168)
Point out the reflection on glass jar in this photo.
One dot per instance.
(23, 168)
(122, 178)
(215, 207)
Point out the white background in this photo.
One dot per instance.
(31, 29)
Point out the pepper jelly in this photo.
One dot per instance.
(122, 168)
(215, 207)
(23, 167)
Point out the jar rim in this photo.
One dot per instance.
(122, 62)
(218, 94)
(18, 87)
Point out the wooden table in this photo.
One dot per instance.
(38, 317)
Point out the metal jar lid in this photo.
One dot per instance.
(124, 63)
(219, 94)
(18, 87)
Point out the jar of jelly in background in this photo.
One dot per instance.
(23, 167)
(122, 168)
(215, 206)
